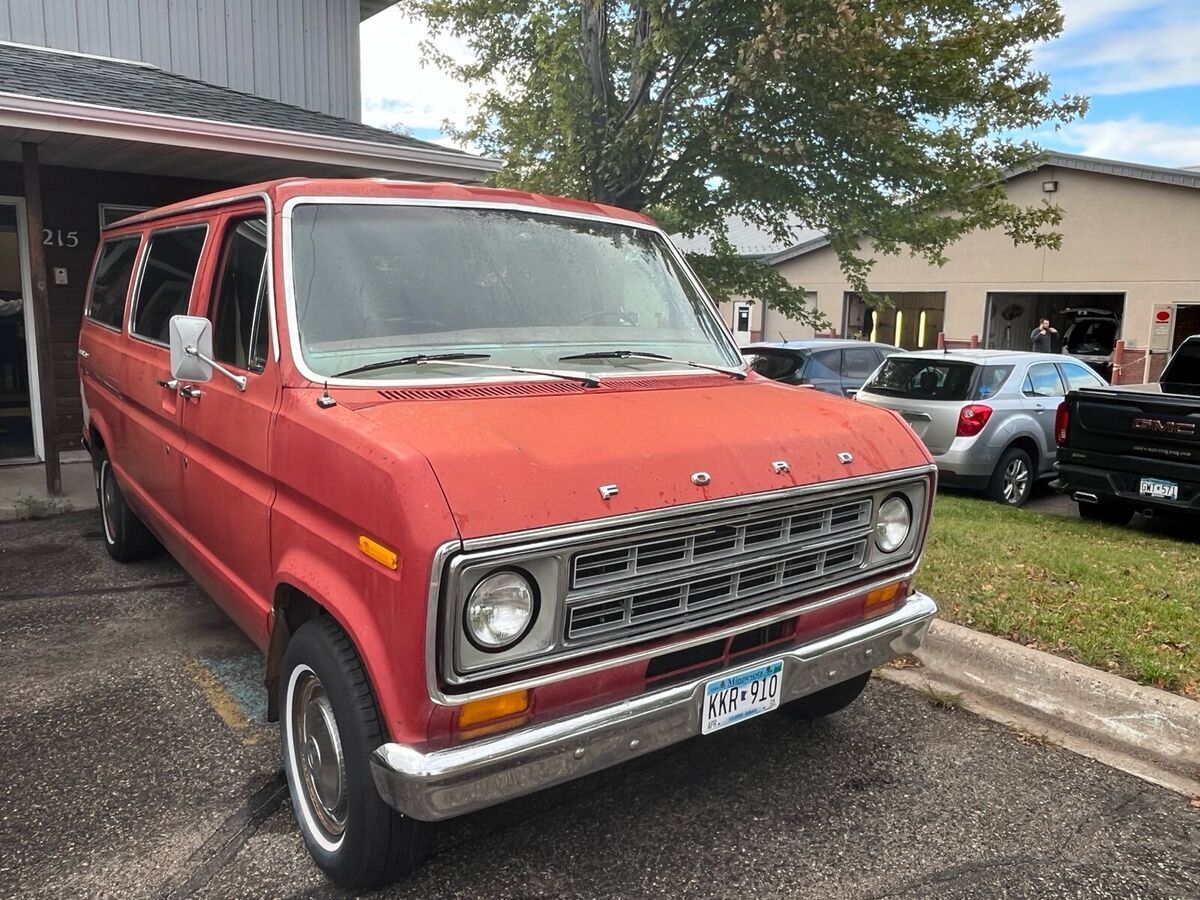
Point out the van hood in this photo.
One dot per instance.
(512, 463)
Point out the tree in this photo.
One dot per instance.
(888, 119)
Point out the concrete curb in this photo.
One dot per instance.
(1146, 732)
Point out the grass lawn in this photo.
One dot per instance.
(1112, 598)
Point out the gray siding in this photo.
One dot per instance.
(299, 51)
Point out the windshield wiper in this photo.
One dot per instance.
(654, 357)
(460, 359)
(418, 360)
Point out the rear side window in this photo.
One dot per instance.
(773, 365)
(823, 365)
(991, 379)
(1043, 381)
(923, 379)
(167, 278)
(239, 326)
(859, 362)
(1182, 374)
(110, 284)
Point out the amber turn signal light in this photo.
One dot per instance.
(879, 598)
(378, 552)
(492, 708)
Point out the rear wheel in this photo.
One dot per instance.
(329, 726)
(125, 537)
(1110, 513)
(827, 701)
(1012, 480)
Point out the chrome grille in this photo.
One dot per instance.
(717, 542)
(712, 571)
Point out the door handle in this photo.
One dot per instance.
(170, 385)
(190, 392)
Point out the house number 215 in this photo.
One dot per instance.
(60, 238)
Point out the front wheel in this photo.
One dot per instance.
(126, 538)
(827, 701)
(329, 726)
(1109, 513)
(1012, 480)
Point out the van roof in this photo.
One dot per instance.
(284, 189)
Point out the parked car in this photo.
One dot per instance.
(830, 365)
(491, 533)
(1091, 337)
(1123, 450)
(986, 416)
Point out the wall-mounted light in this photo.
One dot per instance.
(921, 331)
(1049, 187)
(899, 341)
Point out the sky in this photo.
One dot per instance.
(1138, 61)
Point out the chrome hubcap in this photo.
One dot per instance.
(108, 492)
(1016, 481)
(318, 748)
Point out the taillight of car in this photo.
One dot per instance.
(1062, 419)
(972, 419)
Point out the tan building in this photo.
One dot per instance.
(1131, 246)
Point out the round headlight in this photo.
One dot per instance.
(893, 523)
(500, 610)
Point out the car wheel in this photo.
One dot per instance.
(126, 538)
(1012, 481)
(329, 726)
(827, 701)
(1110, 513)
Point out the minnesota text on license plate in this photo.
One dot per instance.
(1156, 487)
(741, 695)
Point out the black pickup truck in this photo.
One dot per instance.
(1127, 450)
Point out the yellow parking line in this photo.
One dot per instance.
(222, 702)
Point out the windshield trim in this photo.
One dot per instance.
(289, 290)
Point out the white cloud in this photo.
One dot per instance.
(396, 88)
(1131, 139)
(1124, 46)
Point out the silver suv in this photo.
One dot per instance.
(986, 416)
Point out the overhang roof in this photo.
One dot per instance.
(368, 8)
(44, 93)
(1189, 178)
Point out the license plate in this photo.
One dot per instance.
(1156, 487)
(740, 696)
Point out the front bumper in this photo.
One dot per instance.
(445, 783)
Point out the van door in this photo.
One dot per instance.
(150, 442)
(229, 489)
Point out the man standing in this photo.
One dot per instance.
(1042, 338)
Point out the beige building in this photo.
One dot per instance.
(1131, 246)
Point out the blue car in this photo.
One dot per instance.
(828, 364)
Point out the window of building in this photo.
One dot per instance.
(167, 278)
(240, 326)
(110, 284)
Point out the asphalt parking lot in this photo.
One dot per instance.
(138, 765)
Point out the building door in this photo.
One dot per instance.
(20, 413)
(1186, 321)
(741, 323)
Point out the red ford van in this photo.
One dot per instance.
(485, 477)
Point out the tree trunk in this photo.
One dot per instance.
(593, 21)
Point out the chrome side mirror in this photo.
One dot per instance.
(191, 351)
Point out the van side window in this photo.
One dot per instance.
(110, 284)
(240, 329)
(167, 277)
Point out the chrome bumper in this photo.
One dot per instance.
(445, 783)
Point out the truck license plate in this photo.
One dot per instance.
(740, 696)
(1159, 489)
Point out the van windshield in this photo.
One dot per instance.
(376, 282)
